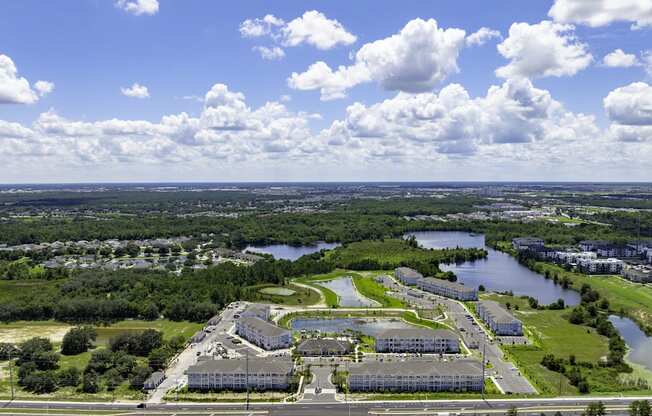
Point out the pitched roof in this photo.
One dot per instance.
(499, 314)
(262, 326)
(239, 366)
(418, 368)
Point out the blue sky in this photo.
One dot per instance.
(179, 50)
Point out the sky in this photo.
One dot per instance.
(199, 90)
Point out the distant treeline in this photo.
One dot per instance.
(108, 296)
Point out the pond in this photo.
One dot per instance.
(499, 272)
(640, 345)
(367, 326)
(347, 293)
(288, 252)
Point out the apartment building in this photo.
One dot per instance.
(462, 375)
(526, 243)
(238, 374)
(498, 319)
(407, 276)
(417, 340)
(263, 333)
(257, 310)
(570, 257)
(638, 274)
(449, 289)
(601, 266)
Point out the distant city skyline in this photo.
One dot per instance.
(168, 91)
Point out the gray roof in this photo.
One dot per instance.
(408, 272)
(448, 284)
(418, 368)
(239, 366)
(499, 314)
(527, 240)
(417, 333)
(317, 345)
(263, 327)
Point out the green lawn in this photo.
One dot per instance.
(634, 299)
(368, 287)
(551, 333)
(287, 295)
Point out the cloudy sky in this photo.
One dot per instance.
(199, 90)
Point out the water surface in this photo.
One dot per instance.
(288, 252)
(499, 272)
(347, 293)
(640, 345)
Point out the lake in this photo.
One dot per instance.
(367, 326)
(640, 345)
(347, 293)
(288, 252)
(499, 272)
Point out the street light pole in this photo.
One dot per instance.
(11, 375)
(247, 379)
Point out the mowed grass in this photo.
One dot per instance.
(551, 333)
(287, 295)
(369, 288)
(634, 299)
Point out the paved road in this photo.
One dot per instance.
(320, 389)
(573, 405)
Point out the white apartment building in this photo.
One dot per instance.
(569, 257)
(461, 375)
(407, 276)
(238, 374)
(498, 319)
(527, 243)
(449, 289)
(417, 340)
(601, 266)
(263, 333)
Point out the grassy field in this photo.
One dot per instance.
(634, 299)
(551, 333)
(291, 295)
(369, 288)
(19, 331)
(13, 289)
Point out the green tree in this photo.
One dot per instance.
(78, 340)
(90, 382)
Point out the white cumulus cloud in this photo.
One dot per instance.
(414, 60)
(314, 28)
(43, 87)
(15, 89)
(270, 54)
(138, 7)
(135, 91)
(619, 59)
(482, 36)
(542, 50)
(630, 105)
(254, 28)
(597, 13)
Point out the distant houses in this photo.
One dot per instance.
(240, 374)
(498, 319)
(448, 289)
(417, 340)
(459, 376)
